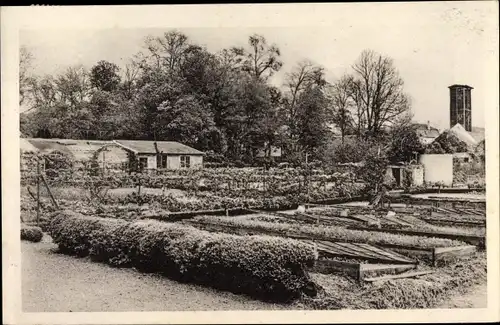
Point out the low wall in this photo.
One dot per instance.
(438, 168)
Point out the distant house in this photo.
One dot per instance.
(274, 152)
(113, 154)
(426, 132)
(78, 151)
(162, 154)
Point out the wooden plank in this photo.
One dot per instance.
(360, 251)
(443, 253)
(378, 253)
(297, 217)
(328, 220)
(331, 247)
(345, 253)
(474, 212)
(399, 276)
(397, 221)
(454, 222)
(328, 247)
(450, 199)
(390, 254)
(359, 218)
(332, 266)
(272, 213)
(449, 211)
(442, 250)
(311, 217)
(333, 219)
(371, 270)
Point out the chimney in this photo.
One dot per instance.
(428, 125)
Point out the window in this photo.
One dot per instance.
(143, 162)
(185, 161)
(161, 162)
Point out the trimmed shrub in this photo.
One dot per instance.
(31, 233)
(264, 267)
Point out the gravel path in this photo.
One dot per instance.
(57, 283)
(475, 297)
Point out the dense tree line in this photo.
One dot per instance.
(222, 102)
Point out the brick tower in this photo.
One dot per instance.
(460, 106)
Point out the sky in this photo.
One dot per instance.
(433, 45)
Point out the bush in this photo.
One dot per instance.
(264, 267)
(31, 233)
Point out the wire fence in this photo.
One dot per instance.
(50, 181)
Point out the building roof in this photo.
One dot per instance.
(459, 131)
(463, 86)
(46, 146)
(167, 147)
(83, 149)
(425, 130)
(79, 149)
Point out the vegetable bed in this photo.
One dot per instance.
(331, 233)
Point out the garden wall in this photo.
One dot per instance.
(438, 168)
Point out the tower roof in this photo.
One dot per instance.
(460, 86)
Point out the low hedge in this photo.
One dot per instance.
(31, 233)
(264, 267)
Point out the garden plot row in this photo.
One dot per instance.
(453, 203)
(335, 241)
(424, 211)
(398, 224)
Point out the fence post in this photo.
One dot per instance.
(50, 192)
(103, 162)
(38, 192)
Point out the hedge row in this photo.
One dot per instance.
(31, 233)
(264, 267)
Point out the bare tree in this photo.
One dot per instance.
(74, 86)
(44, 92)
(130, 77)
(304, 76)
(377, 92)
(164, 52)
(262, 60)
(25, 79)
(342, 105)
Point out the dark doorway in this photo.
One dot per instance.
(396, 172)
